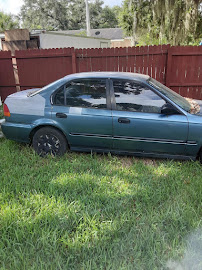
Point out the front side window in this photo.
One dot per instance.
(176, 98)
(134, 97)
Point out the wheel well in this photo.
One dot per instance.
(34, 130)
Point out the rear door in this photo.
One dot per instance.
(139, 126)
(83, 110)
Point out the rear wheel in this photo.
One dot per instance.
(48, 140)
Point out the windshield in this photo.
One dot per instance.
(176, 98)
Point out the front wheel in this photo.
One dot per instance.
(48, 140)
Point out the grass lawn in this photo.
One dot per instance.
(86, 211)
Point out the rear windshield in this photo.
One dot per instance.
(55, 84)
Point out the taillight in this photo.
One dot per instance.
(6, 111)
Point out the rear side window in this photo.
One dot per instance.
(59, 97)
(134, 97)
(83, 93)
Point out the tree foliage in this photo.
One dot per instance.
(7, 22)
(106, 18)
(65, 14)
(162, 21)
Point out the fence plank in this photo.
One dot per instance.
(37, 68)
(73, 61)
(7, 79)
(184, 70)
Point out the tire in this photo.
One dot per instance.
(49, 141)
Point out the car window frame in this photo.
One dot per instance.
(108, 96)
(52, 97)
(177, 107)
(113, 100)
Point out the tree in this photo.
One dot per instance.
(134, 17)
(49, 14)
(177, 20)
(7, 22)
(103, 17)
(66, 14)
(162, 21)
(109, 17)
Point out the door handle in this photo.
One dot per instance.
(61, 115)
(124, 120)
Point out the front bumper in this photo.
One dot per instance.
(16, 132)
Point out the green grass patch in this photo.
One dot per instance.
(86, 211)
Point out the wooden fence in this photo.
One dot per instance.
(180, 68)
(7, 80)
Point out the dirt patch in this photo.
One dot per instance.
(148, 161)
(126, 162)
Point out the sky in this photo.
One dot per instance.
(13, 6)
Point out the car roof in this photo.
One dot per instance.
(114, 75)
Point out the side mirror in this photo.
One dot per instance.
(168, 109)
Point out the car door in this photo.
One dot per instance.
(83, 110)
(139, 126)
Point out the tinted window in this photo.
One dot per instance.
(59, 97)
(179, 100)
(86, 94)
(131, 96)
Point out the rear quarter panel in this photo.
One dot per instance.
(26, 113)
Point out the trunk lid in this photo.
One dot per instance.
(23, 94)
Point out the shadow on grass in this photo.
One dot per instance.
(87, 211)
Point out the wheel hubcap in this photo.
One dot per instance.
(48, 144)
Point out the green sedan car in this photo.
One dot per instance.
(117, 112)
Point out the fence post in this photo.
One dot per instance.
(168, 67)
(15, 71)
(73, 61)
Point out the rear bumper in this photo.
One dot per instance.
(16, 132)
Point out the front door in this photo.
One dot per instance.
(86, 114)
(139, 126)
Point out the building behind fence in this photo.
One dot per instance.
(179, 68)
